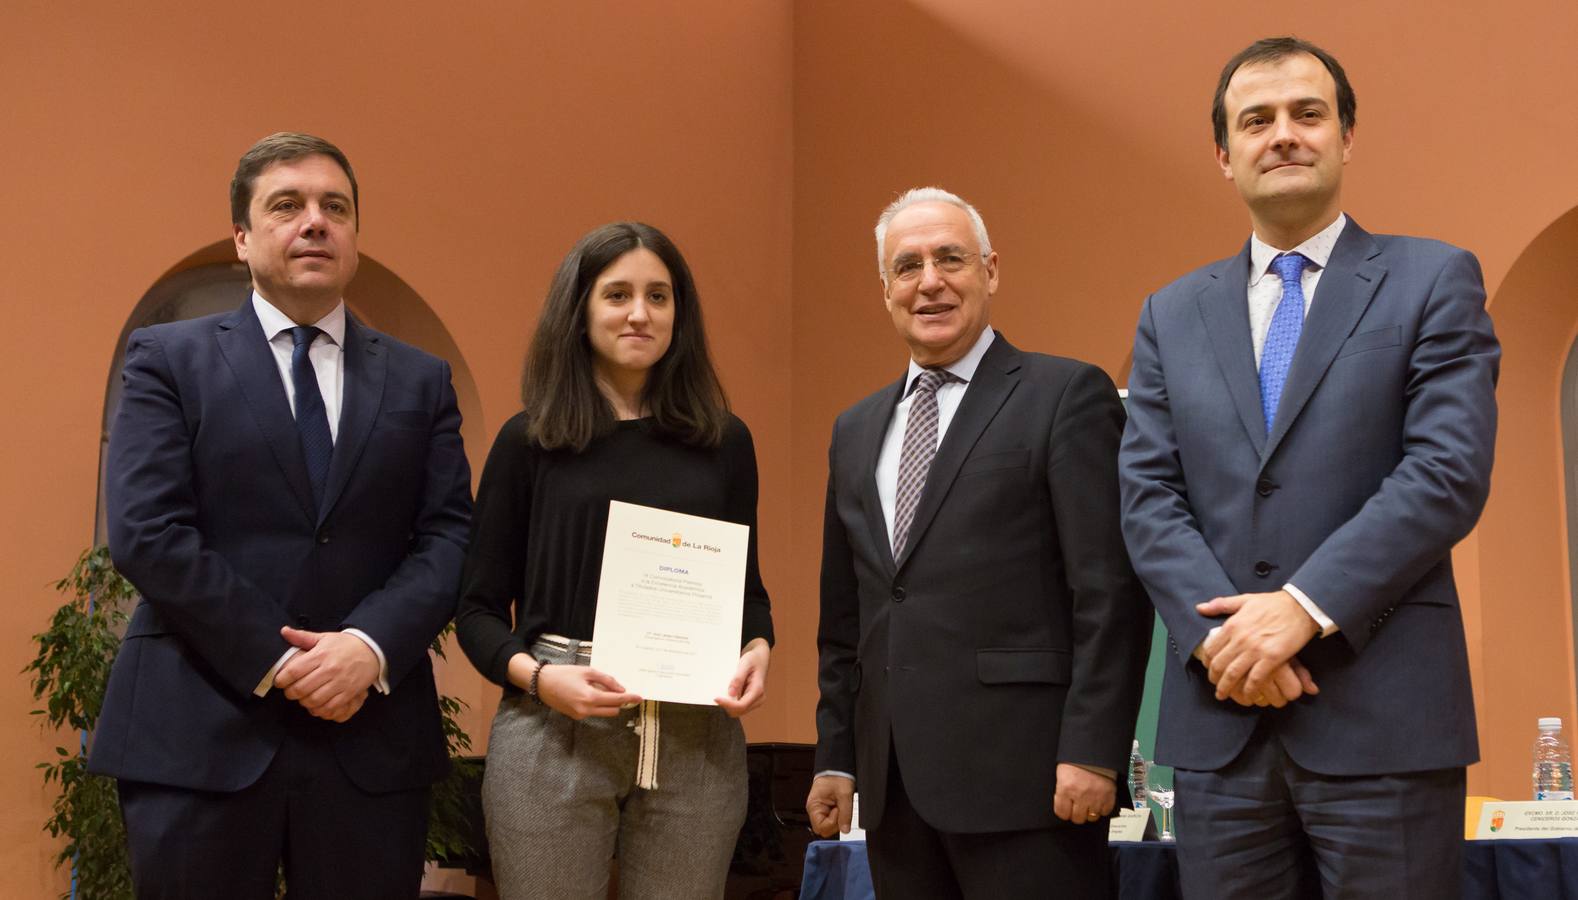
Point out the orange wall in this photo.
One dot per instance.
(1526, 613)
(764, 136)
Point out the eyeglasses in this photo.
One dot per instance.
(910, 268)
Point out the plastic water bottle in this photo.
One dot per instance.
(1137, 773)
(1553, 763)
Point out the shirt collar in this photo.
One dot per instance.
(1317, 249)
(274, 322)
(962, 368)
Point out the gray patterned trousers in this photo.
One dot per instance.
(560, 801)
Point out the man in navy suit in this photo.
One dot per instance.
(1310, 431)
(288, 492)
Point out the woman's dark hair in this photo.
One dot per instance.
(564, 408)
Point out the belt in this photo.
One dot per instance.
(646, 723)
(567, 645)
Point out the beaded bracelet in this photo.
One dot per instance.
(531, 690)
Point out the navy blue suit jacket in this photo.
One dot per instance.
(211, 517)
(1378, 463)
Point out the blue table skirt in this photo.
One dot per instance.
(1508, 870)
(837, 870)
(1492, 870)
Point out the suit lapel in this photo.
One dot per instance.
(868, 446)
(1341, 297)
(1224, 305)
(365, 368)
(995, 378)
(246, 350)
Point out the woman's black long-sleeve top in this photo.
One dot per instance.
(536, 550)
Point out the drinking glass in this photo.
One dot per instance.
(1162, 796)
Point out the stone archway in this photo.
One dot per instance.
(1521, 621)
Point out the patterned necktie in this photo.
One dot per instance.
(312, 422)
(1283, 336)
(920, 445)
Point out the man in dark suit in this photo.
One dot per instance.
(288, 492)
(1310, 432)
(982, 637)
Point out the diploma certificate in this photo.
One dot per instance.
(669, 603)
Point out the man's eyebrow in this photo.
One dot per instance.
(956, 249)
(1300, 103)
(292, 191)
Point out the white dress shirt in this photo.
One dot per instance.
(327, 354)
(1265, 292)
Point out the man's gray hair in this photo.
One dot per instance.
(927, 195)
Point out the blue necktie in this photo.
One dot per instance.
(312, 422)
(1283, 336)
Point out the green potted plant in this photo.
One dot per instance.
(69, 673)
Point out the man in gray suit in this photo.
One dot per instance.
(1310, 432)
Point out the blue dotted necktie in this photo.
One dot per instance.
(312, 422)
(1283, 336)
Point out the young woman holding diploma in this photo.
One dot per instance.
(620, 403)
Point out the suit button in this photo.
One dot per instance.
(323, 536)
(304, 621)
(1264, 487)
(1263, 568)
(898, 594)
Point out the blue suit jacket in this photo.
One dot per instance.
(1378, 463)
(211, 517)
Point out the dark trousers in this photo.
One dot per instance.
(1264, 826)
(333, 839)
(911, 860)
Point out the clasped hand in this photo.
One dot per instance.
(1250, 656)
(576, 691)
(330, 673)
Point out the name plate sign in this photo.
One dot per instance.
(1128, 824)
(855, 832)
(1500, 820)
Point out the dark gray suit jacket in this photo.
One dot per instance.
(1011, 634)
(1378, 463)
